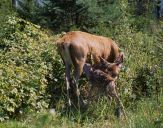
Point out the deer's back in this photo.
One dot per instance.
(84, 44)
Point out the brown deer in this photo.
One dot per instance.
(104, 81)
(78, 47)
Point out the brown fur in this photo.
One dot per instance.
(76, 46)
(104, 82)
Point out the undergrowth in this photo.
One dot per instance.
(147, 113)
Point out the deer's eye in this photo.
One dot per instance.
(109, 69)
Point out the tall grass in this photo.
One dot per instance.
(147, 113)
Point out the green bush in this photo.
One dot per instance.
(27, 54)
(146, 82)
(141, 56)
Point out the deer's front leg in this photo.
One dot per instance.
(111, 88)
(77, 73)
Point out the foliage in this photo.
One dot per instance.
(146, 82)
(73, 14)
(27, 9)
(88, 15)
(26, 54)
(5, 9)
(64, 15)
(142, 65)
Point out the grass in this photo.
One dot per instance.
(147, 113)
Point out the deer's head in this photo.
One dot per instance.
(112, 69)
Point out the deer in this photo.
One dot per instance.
(77, 47)
(105, 81)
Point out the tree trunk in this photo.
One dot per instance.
(141, 6)
(14, 3)
(161, 8)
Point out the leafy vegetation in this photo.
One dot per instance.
(26, 54)
(32, 73)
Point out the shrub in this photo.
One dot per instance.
(27, 55)
(141, 55)
(146, 82)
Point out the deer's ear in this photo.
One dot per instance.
(119, 59)
(104, 62)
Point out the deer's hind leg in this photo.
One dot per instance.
(67, 77)
(78, 56)
(78, 69)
